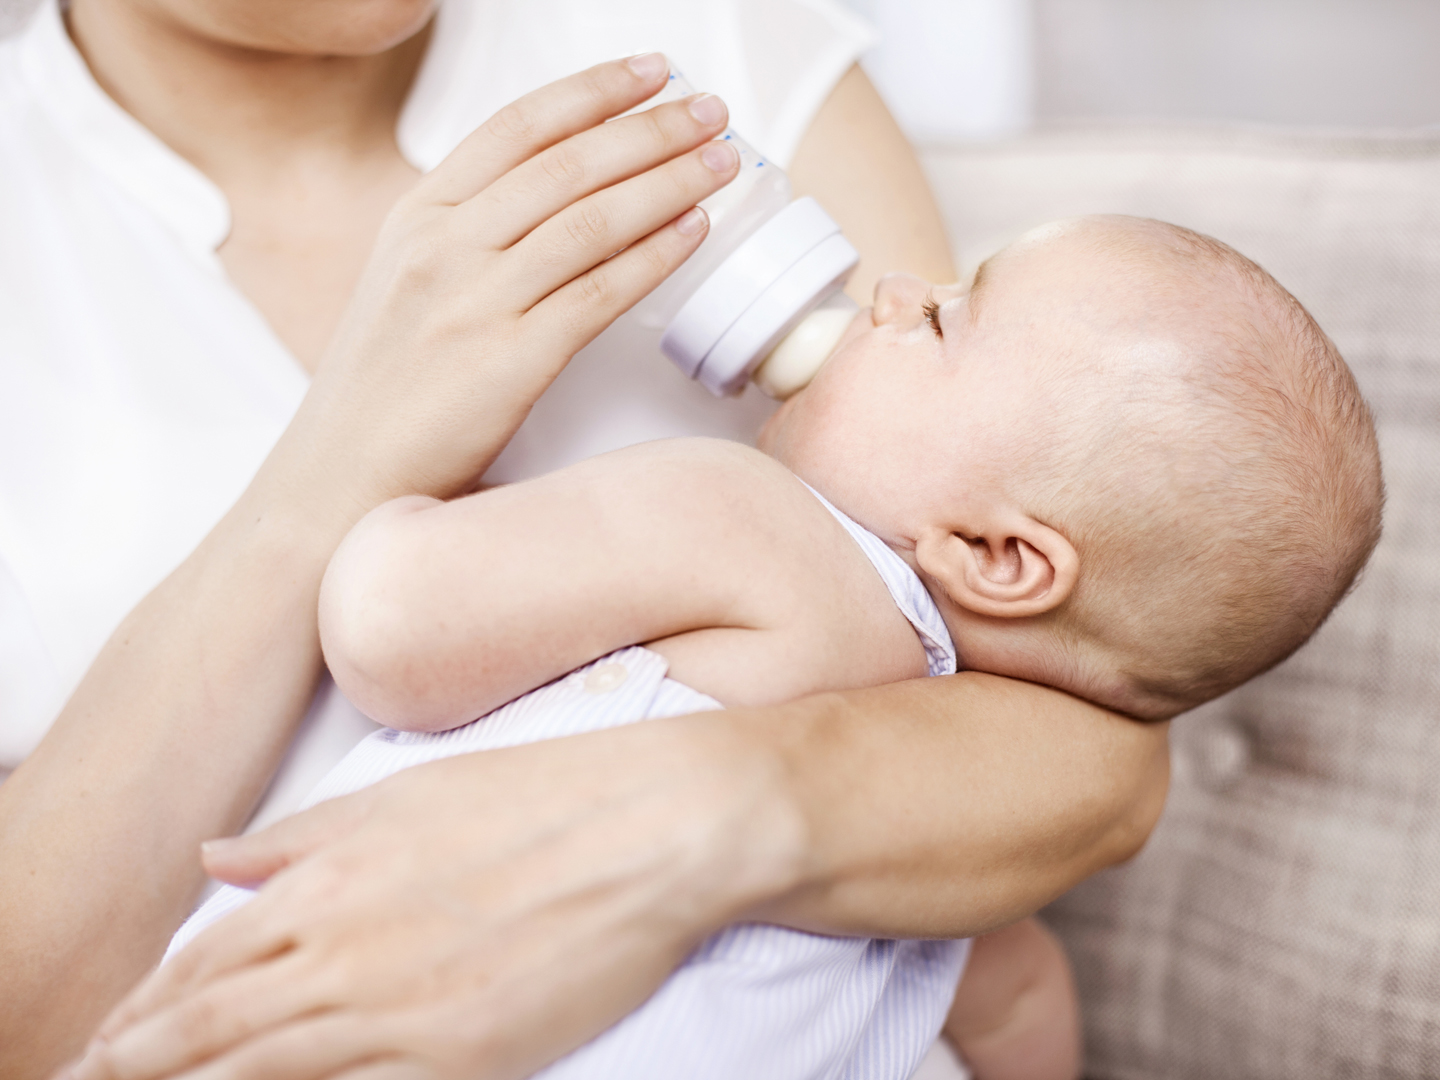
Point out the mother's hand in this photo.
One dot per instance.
(478, 917)
(497, 268)
(472, 918)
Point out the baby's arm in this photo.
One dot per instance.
(432, 613)
(1016, 1016)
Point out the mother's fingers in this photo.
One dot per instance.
(245, 937)
(574, 315)
(249, 860)
(314, 1048)
(388, 1070)
(539, 120)
(595, 228)
(226, 1013)
(586, 163)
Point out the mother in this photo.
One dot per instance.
(189, 192)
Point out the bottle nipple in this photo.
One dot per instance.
(802, 352)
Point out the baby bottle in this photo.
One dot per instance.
(762, 297)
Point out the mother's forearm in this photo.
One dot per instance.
(169, 740)
(948, 807)
(573, 875)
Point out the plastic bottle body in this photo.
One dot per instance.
(766, 265)
(757, 194)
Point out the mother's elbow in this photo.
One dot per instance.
(371, 630)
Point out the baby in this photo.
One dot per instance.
(1124, 463)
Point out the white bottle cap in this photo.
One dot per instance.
(756, 296)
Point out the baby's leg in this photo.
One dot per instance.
(1016, 1016)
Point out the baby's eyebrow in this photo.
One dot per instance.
(977, 289)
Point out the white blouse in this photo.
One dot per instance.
(139, 390)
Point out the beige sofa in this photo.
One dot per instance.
(1284, 920)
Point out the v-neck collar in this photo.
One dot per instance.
(177, 193)
(116, 144)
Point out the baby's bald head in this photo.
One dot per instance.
(1203, 446)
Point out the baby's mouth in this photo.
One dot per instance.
(862, 323)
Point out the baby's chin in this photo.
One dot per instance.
(768, 441)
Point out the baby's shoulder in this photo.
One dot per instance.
(698, 457)
(744, 523)
(688, 479)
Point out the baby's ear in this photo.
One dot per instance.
(1008, 568)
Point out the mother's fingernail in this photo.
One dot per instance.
(649, 66)
(708, 109)
(690, 222)
(719, 156)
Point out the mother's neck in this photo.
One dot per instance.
(239, 113)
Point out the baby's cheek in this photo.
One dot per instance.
(813, 447)
(799, 431)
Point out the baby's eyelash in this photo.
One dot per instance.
(932, 315)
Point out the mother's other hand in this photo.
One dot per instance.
(472, 918)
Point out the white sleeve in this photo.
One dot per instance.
(774, 61)
(796, 51)
(30, 690)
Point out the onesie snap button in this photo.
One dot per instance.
(605, 678)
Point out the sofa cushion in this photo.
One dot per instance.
(1284, 920)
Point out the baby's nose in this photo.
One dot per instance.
(899, 298)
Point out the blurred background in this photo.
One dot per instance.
(990, 68)
(984, 69)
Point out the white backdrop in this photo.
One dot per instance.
(981, 68)
(978, 68)
(954, 68)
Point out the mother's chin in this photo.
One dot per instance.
(294, 27)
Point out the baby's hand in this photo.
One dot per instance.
(1016, 1016)
(498, 267)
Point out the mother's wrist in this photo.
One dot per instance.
(317, 482)
(280, 534)
(761, 845)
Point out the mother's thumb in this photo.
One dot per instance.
(248, 861)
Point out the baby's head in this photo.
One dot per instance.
(1126, 462)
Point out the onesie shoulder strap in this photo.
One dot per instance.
(906, 589)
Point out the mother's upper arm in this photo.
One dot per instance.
(857, 162)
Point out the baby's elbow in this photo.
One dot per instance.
(1141, 813)
(370, 635)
